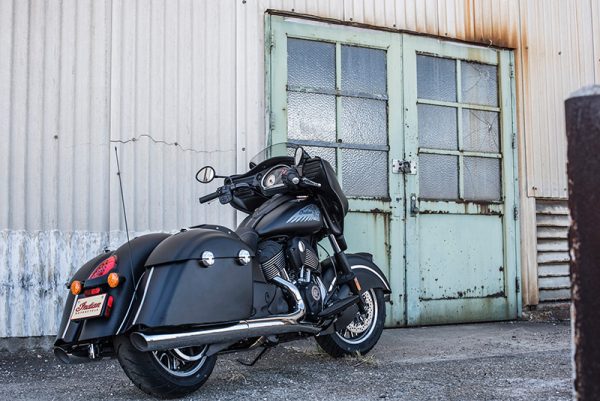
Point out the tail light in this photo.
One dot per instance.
(104, 268)
(109, 305)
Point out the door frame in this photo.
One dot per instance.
(405, 125)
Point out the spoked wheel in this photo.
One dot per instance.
(361, 335)
(182, 362)
(165, 374)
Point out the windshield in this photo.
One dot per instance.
(277, 149)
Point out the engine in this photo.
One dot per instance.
(296, 261)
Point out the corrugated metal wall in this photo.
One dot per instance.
(180, 84)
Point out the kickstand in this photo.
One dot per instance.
(260, 355)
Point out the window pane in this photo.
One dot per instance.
(324, 153)
(480, 131)
(437, 127)
(482, 178)
(364, 121)
(363, 70)
(479, 83)
(311, 63)
(436, 78)
(311, 116)
(438, 177)
(364, 173)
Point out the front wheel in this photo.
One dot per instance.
(165, 374)
(361, 335)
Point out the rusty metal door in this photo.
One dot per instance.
(461, 187)
(333, 90)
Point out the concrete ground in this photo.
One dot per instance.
(492, 361)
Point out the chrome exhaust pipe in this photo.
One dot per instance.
(279, 324)
(65, 357)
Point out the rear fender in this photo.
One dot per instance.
(129, 256)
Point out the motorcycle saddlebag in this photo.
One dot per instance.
(179, 289)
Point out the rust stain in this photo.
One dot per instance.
(490, 29)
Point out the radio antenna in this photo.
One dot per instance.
(125, 217)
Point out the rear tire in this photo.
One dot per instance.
(165, 374)
(362, 334)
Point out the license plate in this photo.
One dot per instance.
(88, 307)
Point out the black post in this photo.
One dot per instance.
(583, 138)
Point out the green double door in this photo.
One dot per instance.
(420, 132)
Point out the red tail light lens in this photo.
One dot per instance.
(93, 291)
(104, 268)
(109, 305)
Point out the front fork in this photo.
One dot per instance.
(345, 274)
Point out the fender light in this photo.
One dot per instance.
(93, 291)
(113, 280)
(104, 268)
(76, 287)
(109, 305)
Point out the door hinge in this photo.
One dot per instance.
(514, 140)
(517, 285)
(404, 167)
(516, 212)
(272, 40)
(512, 70)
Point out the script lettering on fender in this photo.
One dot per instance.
(88, 307)
(84, 306)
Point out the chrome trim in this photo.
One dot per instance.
(279, 324)
(143, 296)
(243, 257)
(70, 314)
(131, 302)
(208, 258)
(372, 271)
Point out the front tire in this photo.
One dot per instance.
(165, 374)
(361, 335)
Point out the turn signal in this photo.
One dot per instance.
(76, 287)
(113, 280)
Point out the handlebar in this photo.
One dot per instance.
(209, 197)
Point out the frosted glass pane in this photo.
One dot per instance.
(436, 78)
(363, 70)
(311, 116)
(324, 153)
(364, 121)
(437, 127)
(364, 173)
(311, 63)
(479, 83)
(480, 131)
(482, 178)
(438, 176)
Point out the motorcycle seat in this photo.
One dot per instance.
(249, 236)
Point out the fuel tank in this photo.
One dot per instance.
(286, 214)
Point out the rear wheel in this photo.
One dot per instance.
(165, 374)
(361, 335)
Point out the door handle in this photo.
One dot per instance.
(414, 207)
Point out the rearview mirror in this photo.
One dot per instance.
(298, 156)
(205, 174)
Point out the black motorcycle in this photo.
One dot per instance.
(167, 305)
